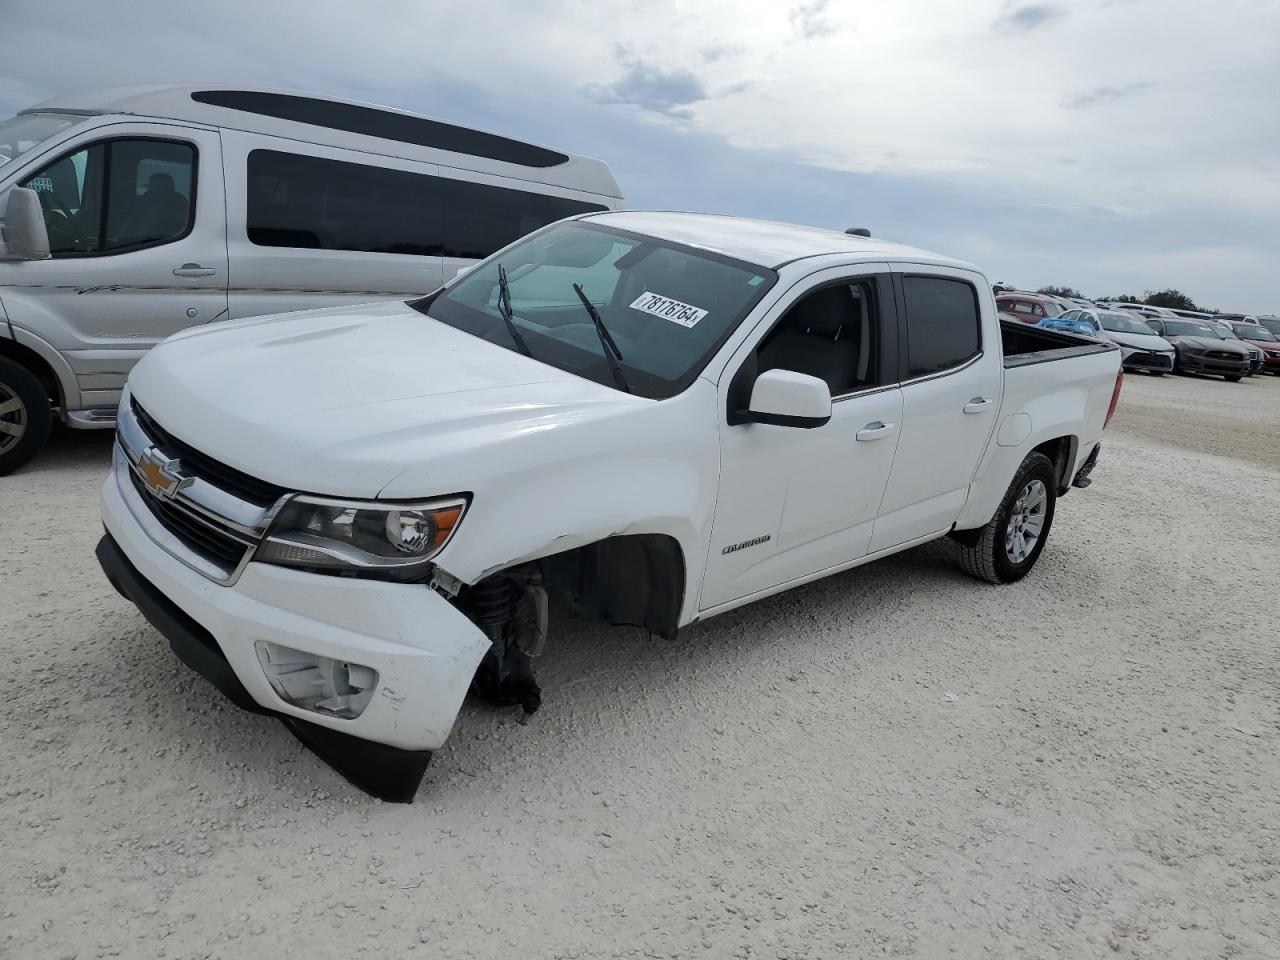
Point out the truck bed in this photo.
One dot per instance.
(1025, 344)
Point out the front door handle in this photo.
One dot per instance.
(874, 431)
(194, 270)
(978, 404)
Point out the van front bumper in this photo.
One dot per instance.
(422, 648)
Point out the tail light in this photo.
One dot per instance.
(1115, 398)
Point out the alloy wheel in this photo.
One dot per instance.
(13, 419)
(1026, 521)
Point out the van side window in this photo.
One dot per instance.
(832, 334)
(117, 196)
(320, 204)
(943, 327)
(480, 218)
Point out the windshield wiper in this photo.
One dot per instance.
(611, 351)
(504, 308)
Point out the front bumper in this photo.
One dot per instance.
(1151, 360)
(424, 650)
(1192, 363)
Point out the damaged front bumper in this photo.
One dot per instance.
(415, 652)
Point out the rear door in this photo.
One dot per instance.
(136, 223)
(795, 502)
(951, 383)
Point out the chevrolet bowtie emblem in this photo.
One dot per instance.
(162, 476)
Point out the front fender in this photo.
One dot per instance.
(652, 469)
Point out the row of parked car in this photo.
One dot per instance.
(1159, 340)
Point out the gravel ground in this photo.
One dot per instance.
(896, 761)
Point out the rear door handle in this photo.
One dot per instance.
(194, 270)
(874, 431)
(978, 404)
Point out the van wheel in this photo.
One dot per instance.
(1008, 547)
(25, 415)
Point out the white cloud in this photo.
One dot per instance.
(1093, 109)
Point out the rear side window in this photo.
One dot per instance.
(480, 219)
(943, 328)
(320, 204)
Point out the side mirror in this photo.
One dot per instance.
(785, 398)
(23, 230)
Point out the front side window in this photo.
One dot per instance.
(943, 326)
(667, 307)
(830, 333)
(116, 196)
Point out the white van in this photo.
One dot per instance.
(129, 214)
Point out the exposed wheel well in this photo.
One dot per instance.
(1061, 453)
(633, 579)
(37, 365)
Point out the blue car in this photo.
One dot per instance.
(1072, 322)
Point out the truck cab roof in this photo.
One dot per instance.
(765, 242)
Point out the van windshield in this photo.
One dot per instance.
(667, 307)
(19, 134)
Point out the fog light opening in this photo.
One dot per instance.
(335, 688)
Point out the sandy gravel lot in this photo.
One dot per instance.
(897, 761)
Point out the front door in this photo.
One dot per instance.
(137, 229)
(794, 502)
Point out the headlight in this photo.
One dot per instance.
(395, 539)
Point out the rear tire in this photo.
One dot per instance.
(1008, 547)
(25, 415)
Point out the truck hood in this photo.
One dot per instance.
(1210, 343)
(341, 401)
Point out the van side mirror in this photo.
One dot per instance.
(785, 398)
(23, 229)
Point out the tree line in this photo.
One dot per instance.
(1174, 299)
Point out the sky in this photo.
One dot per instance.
(1114, 146)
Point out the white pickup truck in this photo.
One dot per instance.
(348, 518)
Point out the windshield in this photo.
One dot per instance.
(1185, 328)
(1120, 323)
(1253, 333)
(666, 307)
(19, 134)
(1272, 325)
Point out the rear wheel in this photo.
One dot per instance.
(25, 415)
(1008, 547)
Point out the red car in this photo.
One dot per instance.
(1027, 307)
(1256, 335)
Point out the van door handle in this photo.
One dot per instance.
(874, 431)
(978, 404)
(194, 270)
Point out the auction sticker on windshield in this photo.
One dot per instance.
(668, 309)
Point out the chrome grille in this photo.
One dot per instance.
(199, 464)
(201, 537)
(213, 519)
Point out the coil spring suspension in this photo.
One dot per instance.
(505, 676)
(490, 603)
